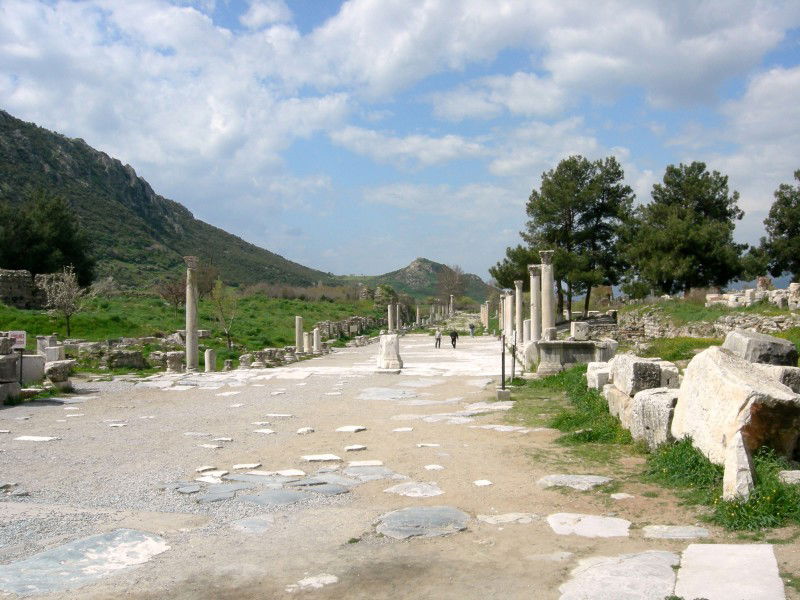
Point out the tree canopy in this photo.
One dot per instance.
(684, 237)
(43, 235)
(579, 212)
(782, 244)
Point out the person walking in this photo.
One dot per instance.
(438, 337)
(472, 330)
(453, 337)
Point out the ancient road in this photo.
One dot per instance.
(114, 508)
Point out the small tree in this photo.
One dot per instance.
(225, 303)
(63, 294)
(782, 244)
(173, 291)
(451, 282)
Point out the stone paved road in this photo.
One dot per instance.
(119, 480)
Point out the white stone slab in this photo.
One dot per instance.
(223, 394)
(577, 482)
(729, 571)
(434, 467)
(426, 445)
(481, 482)
(333, 393)
(246, 466)
(305, 430)
(215, 473)
(237, 405)
(674, 532)
(260, 423)
(282, 473)
(403, 430)
(320, 457)
(210, 446)
(365, 463)
(118, 425)
(644, 576)
(354, 448)
(588, 525)
(277, 393)
(35, 438)
(489, 406)
(414, 489)
(264, 431)
(208, 479)
(222, 439)
(312, 583)
(622, 496)
(278, 415)
(508, 518)
(350, 429)
(204, 468)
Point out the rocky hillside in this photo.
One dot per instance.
(138, 235)
(419, 279)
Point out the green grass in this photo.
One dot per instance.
(771, 504)
(682, 312)
(680, 348)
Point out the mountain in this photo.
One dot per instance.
(138, 236)
(419, 280)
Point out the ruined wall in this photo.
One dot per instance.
(19, 289)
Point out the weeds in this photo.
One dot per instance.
(679, 348)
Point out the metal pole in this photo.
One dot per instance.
(513, 361)
(503, 364)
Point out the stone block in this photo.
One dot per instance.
(32, 368)
(598, 374)
(619, 404)
(6, 345)
(9, 368)
(227, 365)
(210, 360)
(9, 391)
(579, 330)
(670, 377)
(761, 348)
(125, 359)
(389, 352)
(54, 353)
(632, 374)
(174, 361)
(58, 371)
(503, 394)
(788, 376)
(549, 334)
(737, 478)
(722, 395)
(651, 416)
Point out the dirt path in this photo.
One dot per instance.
(98, 478)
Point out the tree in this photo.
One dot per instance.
(579, 211)
(782, 244)
(173, 291)
(63, 294)
(514, 266)
(225, 303)
(684, 237)
(207, 276)
(43, 235)
(451, 282)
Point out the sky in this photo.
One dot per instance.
(355, 136)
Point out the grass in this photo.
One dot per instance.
(683, 311)
(771, 504)
(261, 322)
(679, 348)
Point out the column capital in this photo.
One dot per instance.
(192, 262)
(535, 270)
(546, 256)
(518, 283)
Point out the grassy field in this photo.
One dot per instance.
(682, 312)
(261, 322)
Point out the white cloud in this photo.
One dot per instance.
(521, 94)
(265, 12)
(412, 149)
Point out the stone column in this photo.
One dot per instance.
(317, 341)
(535, 272)
(192, 358)
(308, 342)
(452, 306)
(397, 316)
(211, 360)
(501, 313)
(548, 304)
(508, 316)
(298, 335)
(418, 320)
(390, 324)
(518, 312)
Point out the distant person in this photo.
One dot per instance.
(438, 337)
(453, 337)
(472, 330)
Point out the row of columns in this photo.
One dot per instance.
(306, 342)
(542, 304)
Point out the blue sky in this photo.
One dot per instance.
(356, 136)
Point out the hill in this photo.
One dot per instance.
(419, 280)
(138, 235)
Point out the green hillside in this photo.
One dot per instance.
(419, 280)
(138, 235)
